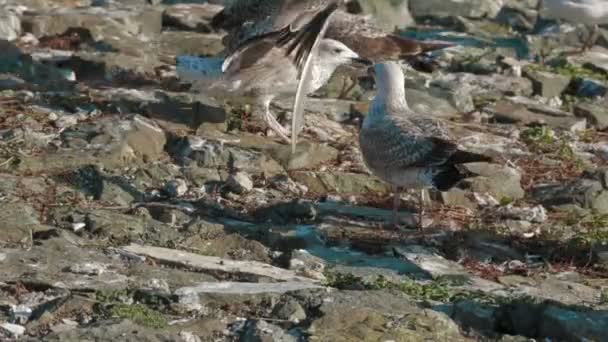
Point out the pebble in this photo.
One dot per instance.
(88, 269)
(15, 330)
(240, 183)
(176, 188)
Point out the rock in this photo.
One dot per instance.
(175, 188)
(215, 263)
(307, 265)
(175, 43)
(557, 322)
(308, 155)
(547, 84)
(88, 269)
(102, 23)
(454, 8)
(190, 16)
(209, 153)
(19, 224)
(244, 288)
(364, 324)
(114, 330)
(524, 111)
(498, 181)
(240, 183)
(115, 143)
(291, 311)
(14, 330)
(595, 112)
(340, 182)
(435, 266)
(10, 25)
(480, 317)
(145, 138)
(583, 192)
(389, 15)
(261, 331)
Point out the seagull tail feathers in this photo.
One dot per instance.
(450, 173)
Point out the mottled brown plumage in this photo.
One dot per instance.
(404, 148)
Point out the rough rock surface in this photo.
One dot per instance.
(134, 209)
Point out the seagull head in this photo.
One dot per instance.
(335, 53)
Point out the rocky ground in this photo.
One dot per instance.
(133, 209)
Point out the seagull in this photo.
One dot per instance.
(407, 149)
(588, 12)
(261, 71)
(245, 19)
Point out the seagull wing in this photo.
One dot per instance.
(400, 144)
(303, 44)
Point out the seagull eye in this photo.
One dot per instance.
(337, 50)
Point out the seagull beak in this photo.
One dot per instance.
(361, 61)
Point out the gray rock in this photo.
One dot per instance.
(586, 193)
(14, 330)
(389, 15)
(547, 84)
(291, 311)
(103, 23)
(498, 181)
(562, 323)
(595, 112)
(526, 111)
(455, 8)
(261, 331)
(340, 182)
(240, 183)
(211, 153)
(10, 25)
(190, 16)
(471, 314)
(308, 155)
(19, 224)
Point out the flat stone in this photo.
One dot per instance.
(195, 17)
(308, 155)
(547, 84)
(455, 8)
(19, 223)
(595, 112)
(562, 323)
(10, 25)
(340, 182)
(581, 192)
(525, 112)
(497, 180)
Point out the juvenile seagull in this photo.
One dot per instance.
(589, 12)
(261, 70)
(407, 149)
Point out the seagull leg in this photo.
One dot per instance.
(593, 35)
(421, 209)
(396, 201)
(273, 124)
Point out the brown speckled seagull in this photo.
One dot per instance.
(407, 149)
